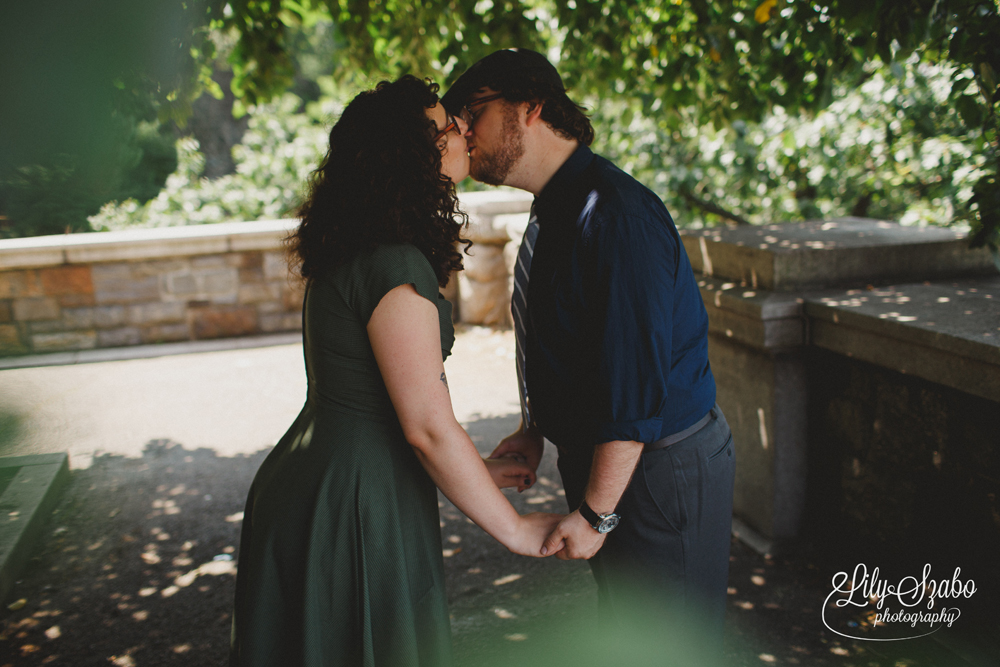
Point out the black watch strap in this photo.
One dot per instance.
(590, 515)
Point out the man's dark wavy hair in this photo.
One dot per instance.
(566, 118)
(381, 183)
(523, 75)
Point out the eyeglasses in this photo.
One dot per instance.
(466, 112)
(452, 125)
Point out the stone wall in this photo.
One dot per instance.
(145, 286)
(112, 289)
(902, 464)
(904, 420)
(817, 327)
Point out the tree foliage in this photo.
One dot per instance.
(727, 60)
(677, 61)
(273, 162)
(890, 148)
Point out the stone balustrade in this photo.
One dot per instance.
(496, 217)
(858, 362)
(112, 289)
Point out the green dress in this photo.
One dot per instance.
(340, 554)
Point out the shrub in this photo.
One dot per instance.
(278, 152)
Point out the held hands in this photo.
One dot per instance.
(510, 471)
(567, 536)
(573, 538)
(528, 445)
(532, 529)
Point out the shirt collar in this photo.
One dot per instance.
(564, 182)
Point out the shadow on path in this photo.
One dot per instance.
(137, 564)
(137, 567)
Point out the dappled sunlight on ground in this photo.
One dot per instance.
(137, 566)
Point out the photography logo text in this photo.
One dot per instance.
(863, 605)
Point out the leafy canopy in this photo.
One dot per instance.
(728, 60)
(682, 61)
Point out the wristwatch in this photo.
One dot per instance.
(602, 523)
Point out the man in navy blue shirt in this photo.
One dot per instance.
(612, 350)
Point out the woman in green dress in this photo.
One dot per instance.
(340, 556)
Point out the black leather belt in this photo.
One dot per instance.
(680, 435)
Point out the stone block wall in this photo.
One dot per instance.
(901, 463)
(147, 286)
(144, 287)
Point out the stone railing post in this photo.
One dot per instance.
(496, 217)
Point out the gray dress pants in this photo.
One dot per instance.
(669, 554)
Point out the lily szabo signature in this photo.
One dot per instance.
(863, 589)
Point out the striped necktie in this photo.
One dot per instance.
(519, 307)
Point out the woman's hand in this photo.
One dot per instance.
(527, 444)
(510, 471)
(532, 530)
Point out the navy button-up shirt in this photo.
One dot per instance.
(617, 345)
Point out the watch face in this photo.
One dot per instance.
(608, 524)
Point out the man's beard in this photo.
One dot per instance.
(493, 168)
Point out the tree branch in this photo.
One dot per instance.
(709, 207)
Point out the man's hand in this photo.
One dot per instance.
(527, 444)
(573, 538)
(531, 533)
(610, 474)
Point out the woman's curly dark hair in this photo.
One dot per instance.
(381, 183)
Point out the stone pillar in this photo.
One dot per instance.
(484, 285)
(756, 343)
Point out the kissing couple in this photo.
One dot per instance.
(340, 557)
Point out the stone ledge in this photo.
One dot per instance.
(843, 251)
(229, 265)
(140, 244)
(137, 244)
(25, 506)
(496, 202)
(757, 318)
(752, 538)
(945, 332)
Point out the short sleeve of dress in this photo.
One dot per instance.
(384, 269)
